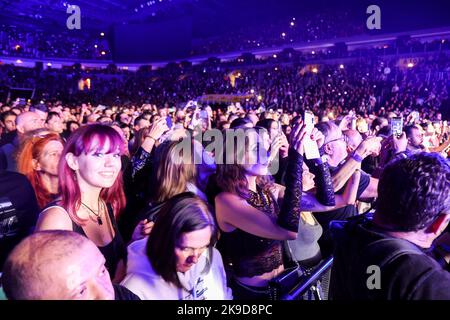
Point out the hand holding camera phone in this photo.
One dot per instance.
(310, 146)
(397, 126)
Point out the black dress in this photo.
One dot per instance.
(114, 251)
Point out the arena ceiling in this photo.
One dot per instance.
(101, 14)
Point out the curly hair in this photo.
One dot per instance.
(33, 148)
(413, 192)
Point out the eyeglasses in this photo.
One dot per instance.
(343, 137)
(191, 251)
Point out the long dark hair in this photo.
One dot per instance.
(231, 177)
(183, 213)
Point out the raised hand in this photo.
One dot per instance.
(158, 128)
(317, 136)
(298, 135)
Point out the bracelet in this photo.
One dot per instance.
(357, 157)
(401, 154)
(151, 138)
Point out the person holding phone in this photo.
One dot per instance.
(255, 215)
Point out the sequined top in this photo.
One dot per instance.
(251, 255)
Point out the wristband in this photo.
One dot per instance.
(151, 138)
(401, 154)
(357, 157)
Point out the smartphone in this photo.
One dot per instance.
(204, 114)
(397, 126)
(308, 119)
(169, 122)
(354, 124)
(311, 149)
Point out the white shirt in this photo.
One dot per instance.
(142, 280)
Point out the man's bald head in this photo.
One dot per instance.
(28, 121)
(52, 265)
(354, 138)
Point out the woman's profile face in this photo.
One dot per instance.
(255, 155)
(274, 130)
(190, 247)
(49, 158)
(307, 178)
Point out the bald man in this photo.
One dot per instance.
(25, 122)
(59, 265)
(28, 121)
(354, 138)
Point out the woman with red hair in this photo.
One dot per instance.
(38, 160)
(91, 193)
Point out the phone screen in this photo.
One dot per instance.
(204, 114)
(309, 121)
(169, 122)
(311, 149)
(397, 126)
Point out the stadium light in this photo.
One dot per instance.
(341, 66)
(283, 34)
(103, 53)
(292, 23)
(102, 34)
(95, 46)
(274, 56)
(313, 52)
(410, 65)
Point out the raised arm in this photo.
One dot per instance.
(365, 148)
(234, 212)
(321, 171)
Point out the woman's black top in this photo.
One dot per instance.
(114, 251)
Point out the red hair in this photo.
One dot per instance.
(89, 139)
(32, 148)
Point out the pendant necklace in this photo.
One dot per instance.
(98, 214)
